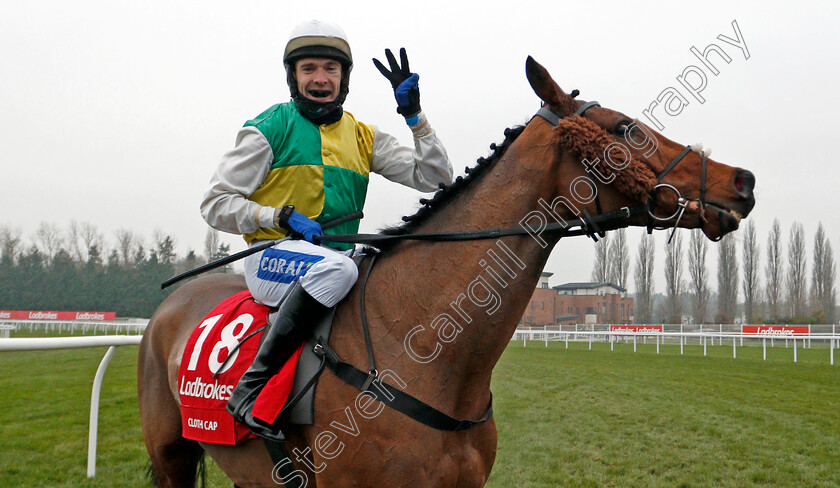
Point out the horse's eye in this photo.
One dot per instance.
(621, 128)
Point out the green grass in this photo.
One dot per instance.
(580, 418)
(566, 417)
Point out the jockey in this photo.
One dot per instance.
(301, 163)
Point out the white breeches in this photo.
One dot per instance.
(326, 274)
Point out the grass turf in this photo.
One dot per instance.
(566, 417)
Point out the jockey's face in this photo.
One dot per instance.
(318, 79)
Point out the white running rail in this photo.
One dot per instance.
(547, 335)
(113, 341)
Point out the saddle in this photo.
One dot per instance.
(292, 390)
(220, 350)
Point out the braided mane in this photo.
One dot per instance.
(447, 193)
(576, 134)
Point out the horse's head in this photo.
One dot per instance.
(634, 166)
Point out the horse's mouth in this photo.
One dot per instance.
(726, 211)
(720, 220)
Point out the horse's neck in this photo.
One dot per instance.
(462, 300)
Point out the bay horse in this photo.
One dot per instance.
(543, 170)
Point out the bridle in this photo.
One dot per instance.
(682, 203)
(589, 225)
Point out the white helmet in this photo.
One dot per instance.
(314, 38)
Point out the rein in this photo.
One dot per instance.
(588, 225)
(371, 381)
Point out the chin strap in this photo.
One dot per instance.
(319, 112)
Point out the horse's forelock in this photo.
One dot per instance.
(586, 139)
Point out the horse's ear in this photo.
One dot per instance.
(545, 88)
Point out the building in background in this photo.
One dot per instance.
(577, 303)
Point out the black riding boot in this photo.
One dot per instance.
(296, 315)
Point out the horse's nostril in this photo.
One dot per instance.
(744, 183)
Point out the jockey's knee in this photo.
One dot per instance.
(348, 269)
(331, 279)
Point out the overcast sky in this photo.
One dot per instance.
(117, 113)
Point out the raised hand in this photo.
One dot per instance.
(403, 81)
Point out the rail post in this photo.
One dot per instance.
(94, 410)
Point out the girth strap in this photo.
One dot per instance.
(395, 398)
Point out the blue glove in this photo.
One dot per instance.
(404, 94)
(403, 81)
(299, 225)
(303, 226)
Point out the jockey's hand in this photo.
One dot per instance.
(403, 81)
(300, 226)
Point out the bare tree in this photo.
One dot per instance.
(9, 243)
(49, 240)
(697, 248)
(127, 242)
(619, 266)
(211, 243)
(81, 238)
(750, 258)
(74, 242)
(774, 272)
(727, 280)
(91, 237)
(164, 247)
(830, 276)
(601, 266)
(823, 274)
(644, 280)
(673, 279)
(215, 249)
(796, 278)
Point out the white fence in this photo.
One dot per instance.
(70, 327)
(567, 334)
(113, 341)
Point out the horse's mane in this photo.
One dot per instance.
(576, 134)
(447, 193)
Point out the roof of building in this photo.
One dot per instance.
(546, 274)
(587, 286)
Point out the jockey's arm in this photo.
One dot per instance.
(243, 169)
(423, 168)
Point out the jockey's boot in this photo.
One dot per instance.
(296, 315)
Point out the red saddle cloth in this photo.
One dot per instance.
(203, 397)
